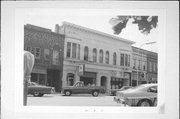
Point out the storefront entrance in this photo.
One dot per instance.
(53, 79)
(104, 81)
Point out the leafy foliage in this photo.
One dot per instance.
(145, 23)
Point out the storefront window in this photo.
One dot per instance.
(116, 83)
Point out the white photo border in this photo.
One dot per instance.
(20, 10)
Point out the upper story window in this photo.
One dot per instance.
(68, 49)
(73, 50)
(154, 67)
(37, 53)
(125, 60)
(134, 63)
(114, 58)
(78, 51)
(86, 53)
(101, 56)
(107, 57)
(150, 66)
(122, 60)
(144, 66)
(94, 55)
(74, 47)
(55, 57)
(46, 54)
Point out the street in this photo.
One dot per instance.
(73, 100)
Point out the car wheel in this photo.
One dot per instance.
(95, 93)
(67, 93)
(37, 94)
(144, 103)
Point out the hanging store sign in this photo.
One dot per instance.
(81, 69)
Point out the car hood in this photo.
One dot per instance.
(133, 94)
(67, 87)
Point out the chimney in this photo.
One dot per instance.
(57, 28)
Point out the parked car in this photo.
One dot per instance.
(113, 91)
(39, 90)
(80, 88)
(142, 95)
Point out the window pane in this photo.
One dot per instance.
(78, 55)
(74, 50)
(86, 52)
(94, 55)
(55, 57)
(37, 52)
(107, 57)
(122, 60)
(114, 59)
(101, 56)
(126, 60)
(68, 49)
(46, 54)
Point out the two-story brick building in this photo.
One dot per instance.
(107, 58)
(139, 66)
(48, 49)
(152, 64)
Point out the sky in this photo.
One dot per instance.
(96, 22)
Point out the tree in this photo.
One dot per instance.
(145, 23)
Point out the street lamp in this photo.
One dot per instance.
(140, 61)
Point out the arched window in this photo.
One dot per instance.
(107, 57)
(101, 56)
(114, 58)
(94, 55)
(86, 52)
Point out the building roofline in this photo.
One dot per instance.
(144, 50)
(97, 32)
(42, 29)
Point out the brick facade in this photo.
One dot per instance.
(48, 48)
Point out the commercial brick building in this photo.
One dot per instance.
(48, 49)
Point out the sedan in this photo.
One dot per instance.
(142, 95)
(39, 90)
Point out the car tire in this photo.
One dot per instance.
(145, 103)
(67, 93)
(95, 93)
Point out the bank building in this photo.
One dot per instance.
(95, 57)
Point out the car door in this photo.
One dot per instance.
(78, 88)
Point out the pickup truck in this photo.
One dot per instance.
(80, 88)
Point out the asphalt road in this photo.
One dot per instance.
(73, 100)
